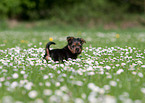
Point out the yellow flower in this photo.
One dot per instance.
(22, 41)
(50, 39)
(79, 33)
(117, 36)
(5, 41)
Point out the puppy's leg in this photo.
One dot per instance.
(48, 54)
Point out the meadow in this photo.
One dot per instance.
(110, 69)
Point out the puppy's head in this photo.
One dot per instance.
(75, 44)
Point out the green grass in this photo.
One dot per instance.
(94, 76)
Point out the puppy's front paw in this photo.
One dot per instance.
(48, 58)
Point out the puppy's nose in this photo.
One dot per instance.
(77, 49)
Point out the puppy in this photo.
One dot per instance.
(71, 50)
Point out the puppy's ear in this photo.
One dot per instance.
(82, 40)
(69, 39)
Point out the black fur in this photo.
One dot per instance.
(64, 53)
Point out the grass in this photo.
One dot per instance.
(109, 70)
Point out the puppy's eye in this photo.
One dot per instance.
(73, 46)
(80, 46)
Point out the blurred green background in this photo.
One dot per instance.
(106, 14)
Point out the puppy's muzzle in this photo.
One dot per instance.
(77, 50)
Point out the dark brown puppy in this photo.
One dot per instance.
(71, 50)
